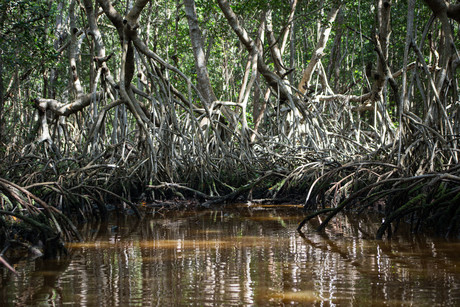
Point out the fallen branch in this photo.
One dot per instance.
(7, 265)
(164, 185)
(235, 194)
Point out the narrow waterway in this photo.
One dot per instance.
(243, 256)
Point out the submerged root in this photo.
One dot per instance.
(428, 200)
(24, 217)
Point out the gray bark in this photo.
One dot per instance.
(383, 35)
(73, 50)
(319, 50)
(272, 79)
(441, 7)
(274, 48)
(203, 82)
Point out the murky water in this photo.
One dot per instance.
(242, 257)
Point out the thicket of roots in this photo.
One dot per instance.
(27, 221)
(324, 159)
(416, 182)
(157, 146)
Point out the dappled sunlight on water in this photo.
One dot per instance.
(245, 256)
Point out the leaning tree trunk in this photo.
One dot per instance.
(319, 50)
(273, 80)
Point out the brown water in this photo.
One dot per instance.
(242, 257)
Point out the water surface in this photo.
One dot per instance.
(250, 256)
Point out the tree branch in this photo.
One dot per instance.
(62, 109)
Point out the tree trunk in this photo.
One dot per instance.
(319, 50)
(259, 104)
(73, 50)
(60, 35)
(203, 82)
(271, 78)
(274, 48)
(440, 7)
(383, 35)
(334, 62)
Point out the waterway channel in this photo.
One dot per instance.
(240, 256)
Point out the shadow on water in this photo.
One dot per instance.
(243, 256)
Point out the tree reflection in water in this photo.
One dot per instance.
(239, 257)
